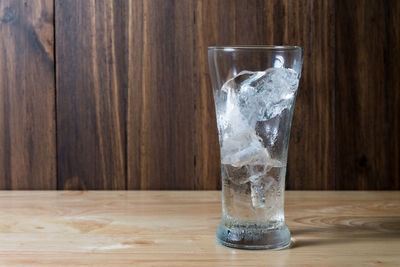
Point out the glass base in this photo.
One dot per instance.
(245, 238)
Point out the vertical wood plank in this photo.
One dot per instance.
(311, 25)
(27, 102)
(136, 30)
(209, 27)
(91, 69)
(367, 94)
(161, 100)
(218, 23)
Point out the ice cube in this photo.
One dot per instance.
(257, 195)
(238, 175)
(236, 82)
(261, 95)
(251, 155)
(268, 130)
(244, 148)
(258, 186)
(277, 89)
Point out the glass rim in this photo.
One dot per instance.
(231, 48)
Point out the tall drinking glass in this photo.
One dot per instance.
(254, 93)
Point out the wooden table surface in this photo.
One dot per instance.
(177, 228)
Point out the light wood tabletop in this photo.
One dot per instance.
(177, 228)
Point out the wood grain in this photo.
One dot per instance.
(309, 24)
(148, 228)
(27, 103)
(161, 100)
(367, 95)
(214, 25)
(92, 81)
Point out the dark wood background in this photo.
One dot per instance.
(116, 94)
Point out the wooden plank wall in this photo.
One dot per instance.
(116, 94)
(367, 106)
(27, 93)
(91, 75)
(161, 104)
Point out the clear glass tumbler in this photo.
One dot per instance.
(254, 93)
